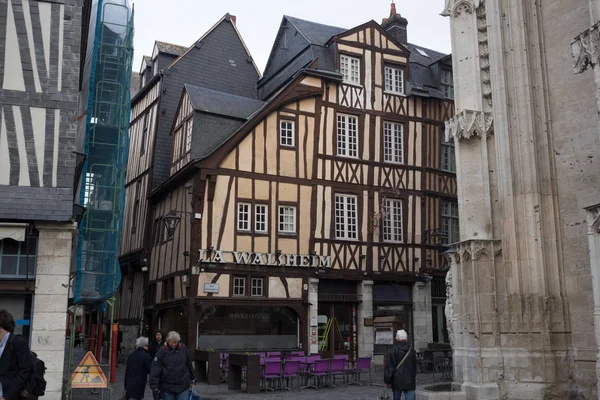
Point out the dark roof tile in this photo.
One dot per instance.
(170, 48)
(222, 103)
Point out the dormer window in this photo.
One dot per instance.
(350, 69)
(447, 83)
(155, 67)
(394, 80)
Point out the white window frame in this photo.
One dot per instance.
(188, 135)
(240, 288)
(260, 287)
(264, 218)
(346, 217)
(290, 212)
(392, 228)
(287, 135)
(394, 80)
(350, 69)
(243, 217)
(347, 136)
(393, 142)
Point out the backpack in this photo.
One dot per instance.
(36, 384)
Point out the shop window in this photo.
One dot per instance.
(18, 259)
(345, 217)
(239, 286)
(256, 289)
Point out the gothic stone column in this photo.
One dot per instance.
(593, 220)
(422, 318)
(365, 310)
(50, 301)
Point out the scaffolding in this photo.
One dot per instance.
(103, 127)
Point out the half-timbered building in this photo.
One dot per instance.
(293, 221)
(218, 60)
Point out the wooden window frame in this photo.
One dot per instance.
(447, 84)
(394, 69)
(262, 286)
(29, 258)
(346, 233)
(248, 216)
(233, 285)
(255, 221)
(282, 121)
(248, 277)
(451, 218)
(451, 153)
(350, 57)
(294, 206)
(393, 138)
(346, 135)
(388, 220)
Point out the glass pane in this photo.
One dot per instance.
(29, 246)
(10, 246)
(9, 265)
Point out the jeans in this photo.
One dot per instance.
(175, 396)
(408, 394)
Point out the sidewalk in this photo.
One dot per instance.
(220, 392)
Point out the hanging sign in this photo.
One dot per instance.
(88, 375)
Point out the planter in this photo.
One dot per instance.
(208, 366)
(252, 364)
(439, 392)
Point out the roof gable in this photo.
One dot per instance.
(397, 46)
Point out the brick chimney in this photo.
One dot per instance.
(396, 25)
(233, 19)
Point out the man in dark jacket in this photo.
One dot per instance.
(156, 343)
(401, 368)
(172, 373)
(137, 371)
(15, 359)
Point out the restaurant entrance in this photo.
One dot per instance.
(337, 333)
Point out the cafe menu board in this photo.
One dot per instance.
(384, 336)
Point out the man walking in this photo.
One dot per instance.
(15, 359)
(172, 373)
(401, 368)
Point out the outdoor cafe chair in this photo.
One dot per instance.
(224, 367)
(320, 372)
(291, 370)
(337, 368)
(363, 366)
(271, 373)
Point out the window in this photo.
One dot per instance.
(393, 139)
(136, 207)
(256, 289)
(155, 67)
(239, 286)
(449, 222)
(392, 222)
(145, 133)
(286, 133)
(260, 218)
(448, 157)
(188, 136)
(350, 69)
(287, 219)
(394, 80)
(18, 259)
(345, 217)
(243, 217)
(422, 52)
(447, 83)
(347, 136)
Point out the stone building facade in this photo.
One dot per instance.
(39, 85)
(526, 134)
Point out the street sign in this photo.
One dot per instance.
(211, 288)
(88, 375)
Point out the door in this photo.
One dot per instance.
(337, 328)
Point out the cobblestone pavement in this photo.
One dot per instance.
(220, 392)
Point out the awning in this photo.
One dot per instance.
(13, 230)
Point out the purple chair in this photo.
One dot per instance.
(224, 367)
(363, 366)
(297, 354)
(271, 354)
(319, 372)
(337, 368)
(291, 370)
(271, 372)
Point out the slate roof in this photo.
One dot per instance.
(134, 84)
(170, 48)
(284, 63)
(222, 103)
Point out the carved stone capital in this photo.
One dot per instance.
(473, 249)
(585, 49)
(469, 123)
(454, 8)
(593, 219)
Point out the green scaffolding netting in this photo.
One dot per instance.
(105, 105)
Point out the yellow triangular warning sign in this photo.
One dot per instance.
(88, 374)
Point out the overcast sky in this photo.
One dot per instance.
(182, 22)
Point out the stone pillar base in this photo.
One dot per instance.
(488, 391)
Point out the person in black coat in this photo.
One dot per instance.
(137, 370)
(156, 343)
(172, 373)
(15, 359)
(401, 368)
